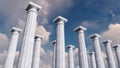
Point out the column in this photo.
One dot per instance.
(82, 47)
(60, 62)
(9, 61)
(54, 54)
(25, 59)
(92, 59)
(70, 56)
(117, 51)
(98, 52)
(36, 52)
(111, 61)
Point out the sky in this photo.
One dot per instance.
(98, 16)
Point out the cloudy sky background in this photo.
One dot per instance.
(98, 16)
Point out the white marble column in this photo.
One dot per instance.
(25, 59)
(36, 51)
(54, 54)
(60, 42)
(70, 56)
(111, 61)
(98, 52)
(117, 51)
(82, 47)
(92, 59)
(9, 61)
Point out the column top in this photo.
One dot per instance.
(38, 36)
(107, 41)
(60, 18)
(95, 35)
(33, 5)
(70, 46)
(117, 45)
(16, 29)
(54, 42)
(79, 28)
(91, 53)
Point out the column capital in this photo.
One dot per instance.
(79, 28)
(91, 53)
(54, 42)
(95, 35)
(33, 5)
(70, 46)
(16, 29)
(117, 45)
(107, 41)
(38, 36)
(60, 18)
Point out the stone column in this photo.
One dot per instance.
(36, 52)
(97, 49)
(60, 42)
(82, 47)
(92, 59)
(25, 59)
(117, 51)
(70, 56)
(54, 54)
(111, 61)
(9, 61)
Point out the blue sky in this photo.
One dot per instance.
(95, 15)
(98, 16)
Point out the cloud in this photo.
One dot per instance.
(90, 24)
(112, 33)
(3, 39)
(112, 13)
(3, 42)
(21, 24)
(76, 58)
(14, 14)
(42, 31)
(13, 10)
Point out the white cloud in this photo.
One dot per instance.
(3, 39)
(112, 33)
(76, 58)
(3, 42)
(90, 24)
(15, 15)
(13, 10)
(42, 31)
(20, 24)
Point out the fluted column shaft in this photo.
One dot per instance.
(25, 60)
(98, 52)
(36, 52)
(111, 61)
(82, 47)
(92, 58)
(70, 56)
(9, 61)
(60, 63)
(117, 51)
(54, 54)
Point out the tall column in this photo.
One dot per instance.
(70, 56)
(60, 42)
(111, 61)
(36, 52)
(82, 47)
(92, 59)
(54, 54)
(9, 61)
(97, 49)
(117, 51)
(26, 53)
